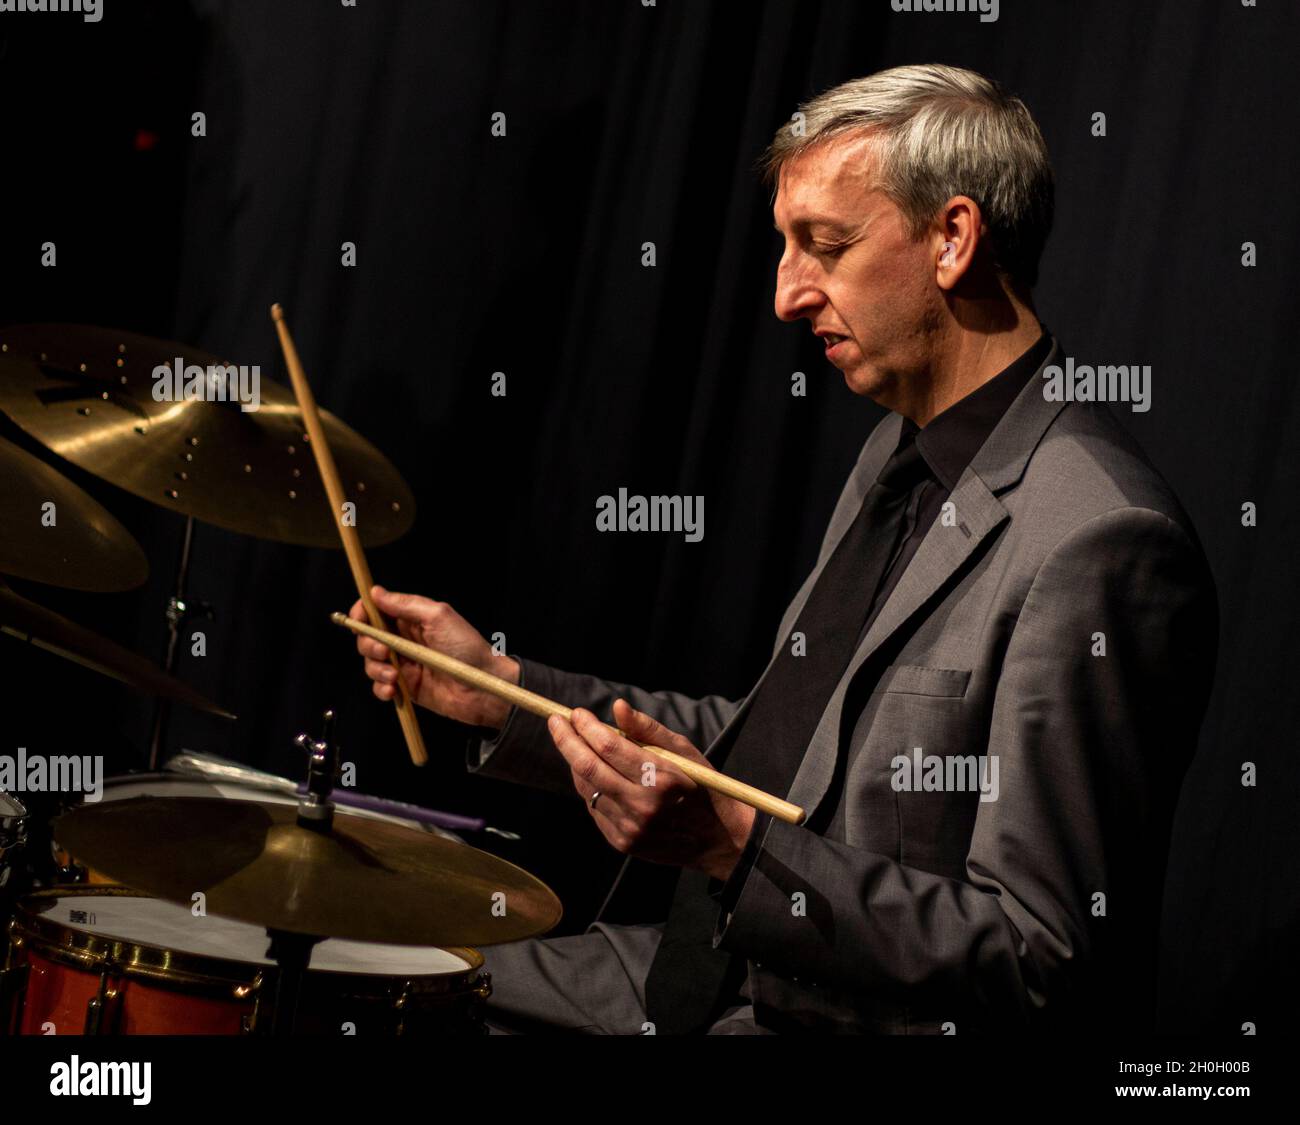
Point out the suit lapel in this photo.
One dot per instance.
(977, 512)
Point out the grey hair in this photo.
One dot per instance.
(942, 131)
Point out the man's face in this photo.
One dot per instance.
(851, 270)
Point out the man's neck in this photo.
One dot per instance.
(969, 358)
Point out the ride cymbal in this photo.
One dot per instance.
(89, 395)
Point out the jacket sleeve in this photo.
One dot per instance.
(522, 751)
(1088, 743)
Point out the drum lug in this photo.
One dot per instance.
(483, 987)
(104, 1009)
(15, 943)
(248, 1023)
(399, 1006)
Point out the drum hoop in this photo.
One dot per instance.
(65, 944)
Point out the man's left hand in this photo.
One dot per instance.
(646, 808)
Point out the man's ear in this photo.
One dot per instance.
(958, 236)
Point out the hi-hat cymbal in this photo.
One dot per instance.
(31, 622)
(365, 880)
(89, 395)
(76, 544)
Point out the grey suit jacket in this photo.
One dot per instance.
(1060, 619)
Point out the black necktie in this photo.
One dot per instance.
(689, 981)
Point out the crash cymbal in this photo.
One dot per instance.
(42, 627)
(84, 548)
(89, 395)
(365, 880)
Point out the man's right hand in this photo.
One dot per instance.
(435, 625)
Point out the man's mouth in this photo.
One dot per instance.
(832, 342)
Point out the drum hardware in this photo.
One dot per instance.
(217, 769)
(315, 809)
(292, 953)
(13, 831)
(104, 1009)
(177, 612)
(248, 1024)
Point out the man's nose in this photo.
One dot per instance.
(796, 295)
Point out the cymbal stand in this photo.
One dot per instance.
(177, 612)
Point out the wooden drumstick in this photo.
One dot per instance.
(329, 474)
(539, 705)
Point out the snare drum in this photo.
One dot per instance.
(108, 960)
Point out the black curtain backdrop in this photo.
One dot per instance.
(522, 254)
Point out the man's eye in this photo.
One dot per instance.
(829, 249)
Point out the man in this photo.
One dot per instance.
(985, 695)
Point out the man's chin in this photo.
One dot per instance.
(864, 381)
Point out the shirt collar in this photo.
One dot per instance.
(951, 439)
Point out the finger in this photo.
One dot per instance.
(406, 607)
(386, 692)
(624, 756)
(381, 671)
(590, 771)
(366, 646)
(372, 649)
(640, 727)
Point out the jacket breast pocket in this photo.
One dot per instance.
(914, 679)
